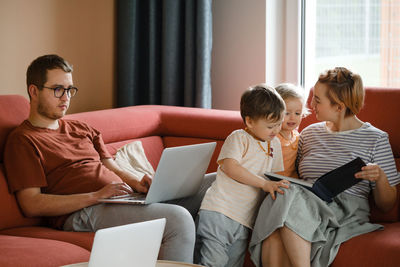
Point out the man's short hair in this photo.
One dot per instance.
(261, 101)
(37, 70)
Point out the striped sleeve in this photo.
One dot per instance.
(383, 156)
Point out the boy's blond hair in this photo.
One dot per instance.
(289, 90)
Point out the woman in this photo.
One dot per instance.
(300, 229)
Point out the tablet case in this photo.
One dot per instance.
(331, 183)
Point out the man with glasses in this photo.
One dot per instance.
(59, 168)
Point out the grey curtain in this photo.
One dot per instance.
(164, 52)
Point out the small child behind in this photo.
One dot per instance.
(288, 135)
(229, 207)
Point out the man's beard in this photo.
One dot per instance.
(42, 110)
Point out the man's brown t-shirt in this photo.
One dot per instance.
(62, 161)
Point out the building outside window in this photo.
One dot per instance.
(362, 35)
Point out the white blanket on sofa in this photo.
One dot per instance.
(131, 157)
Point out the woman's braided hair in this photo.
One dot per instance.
(344, 87)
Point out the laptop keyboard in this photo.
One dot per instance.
(132, 196)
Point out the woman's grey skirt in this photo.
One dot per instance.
(325, 225)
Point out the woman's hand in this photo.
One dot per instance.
(384, 193)
(371, 172)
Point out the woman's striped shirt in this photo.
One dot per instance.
(321, 150)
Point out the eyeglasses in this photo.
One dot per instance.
(59, 91)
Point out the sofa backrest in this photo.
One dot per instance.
(120, 126)
(13, 110)
(183, 126)
(158, 127)
(166, 126)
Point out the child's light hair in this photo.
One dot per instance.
(289, 90)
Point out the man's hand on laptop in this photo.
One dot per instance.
(114, 189)
(140, 185)
(143, 185)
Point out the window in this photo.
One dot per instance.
(362, 35)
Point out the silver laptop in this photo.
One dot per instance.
(136, 244)
(179, 174)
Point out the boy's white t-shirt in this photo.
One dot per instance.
(235, 200)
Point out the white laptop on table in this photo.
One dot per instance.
(131, 245)
(179, 174)
(136, 244)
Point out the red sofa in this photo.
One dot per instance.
(29, 242)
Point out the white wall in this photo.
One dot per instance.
(238, 57)
(87, 41)
(254, 41)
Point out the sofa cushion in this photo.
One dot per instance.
(11, 215)
(390, 216)
(81, 239)
(201, 123)
(25, 252)
(152, 145)
(120, 124)
(14, 109)
(381, 110)
(379, 248)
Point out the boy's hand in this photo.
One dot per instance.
(271, 187)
